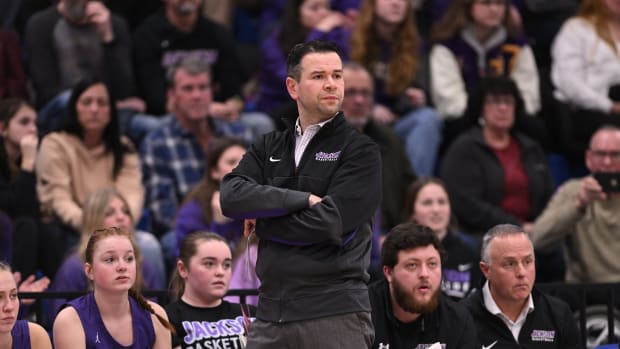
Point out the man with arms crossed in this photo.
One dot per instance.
(507, 311)
(313, 190)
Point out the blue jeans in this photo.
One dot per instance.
(52, 114)
(259, 123)
(420, 129)
(152, 252)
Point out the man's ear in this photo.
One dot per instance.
(484, 267)
(291, 87)
(387, 272)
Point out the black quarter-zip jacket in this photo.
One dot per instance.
(450, 324)
(550, 325)
(312, 261)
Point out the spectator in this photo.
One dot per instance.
(20, 233)
(477, 38)
(428, 204)
(17, 333)
(509, 312)
(496, 174)
(408, 308)
(199, 283)
(357, 106)
(312, 191)
(179, 31)
(302, 21)
(12, 76)
(173, 156)
(584, 217)
(111, 264)
(386, 42)
(86, 155)
(586, 69)
(73, 40)
(201, 210)
(274, 9)
(106, 208)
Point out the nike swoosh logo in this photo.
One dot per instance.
(272, 159)
(490, 345)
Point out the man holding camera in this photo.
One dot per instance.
(584, 214)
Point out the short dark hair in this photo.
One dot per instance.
(493, 85)
(299, 51)
(407, 236)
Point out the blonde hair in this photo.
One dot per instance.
(101, 234)
(94, 211)
(597, 13)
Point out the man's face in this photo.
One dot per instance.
(415, 280)
(320, 88)
(190, 96)
(604, 152)
(358, 96)
(511, 271)
(184, 8)
(74, 10)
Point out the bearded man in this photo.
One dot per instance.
(408, 308)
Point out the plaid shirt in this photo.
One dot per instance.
(172, 163)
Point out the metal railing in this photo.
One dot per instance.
(580, 297)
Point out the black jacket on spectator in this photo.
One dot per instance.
(158, 45)
(550, 325)
(397, 173)
(44, 66)
(450, 324)
(475, 180)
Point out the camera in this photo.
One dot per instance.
(609, 181)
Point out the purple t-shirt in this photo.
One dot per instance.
(97, 336)
(21, 335)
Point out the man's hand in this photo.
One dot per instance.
(134, 103)
(383, 115)
(313, 200)
(225, 111)
(615, 108)
(99, 15)
(328, 23)
(589, 191)
(31, 285)
(416, 96)
(249, 226)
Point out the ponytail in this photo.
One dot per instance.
(176, 286)
(146, 306)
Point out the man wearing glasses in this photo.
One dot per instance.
(584, 214)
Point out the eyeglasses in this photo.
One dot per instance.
(598, 155)
(490, 2)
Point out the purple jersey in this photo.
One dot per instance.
(97, 336)
(21, 335)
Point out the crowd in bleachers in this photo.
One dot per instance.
(130, 113)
